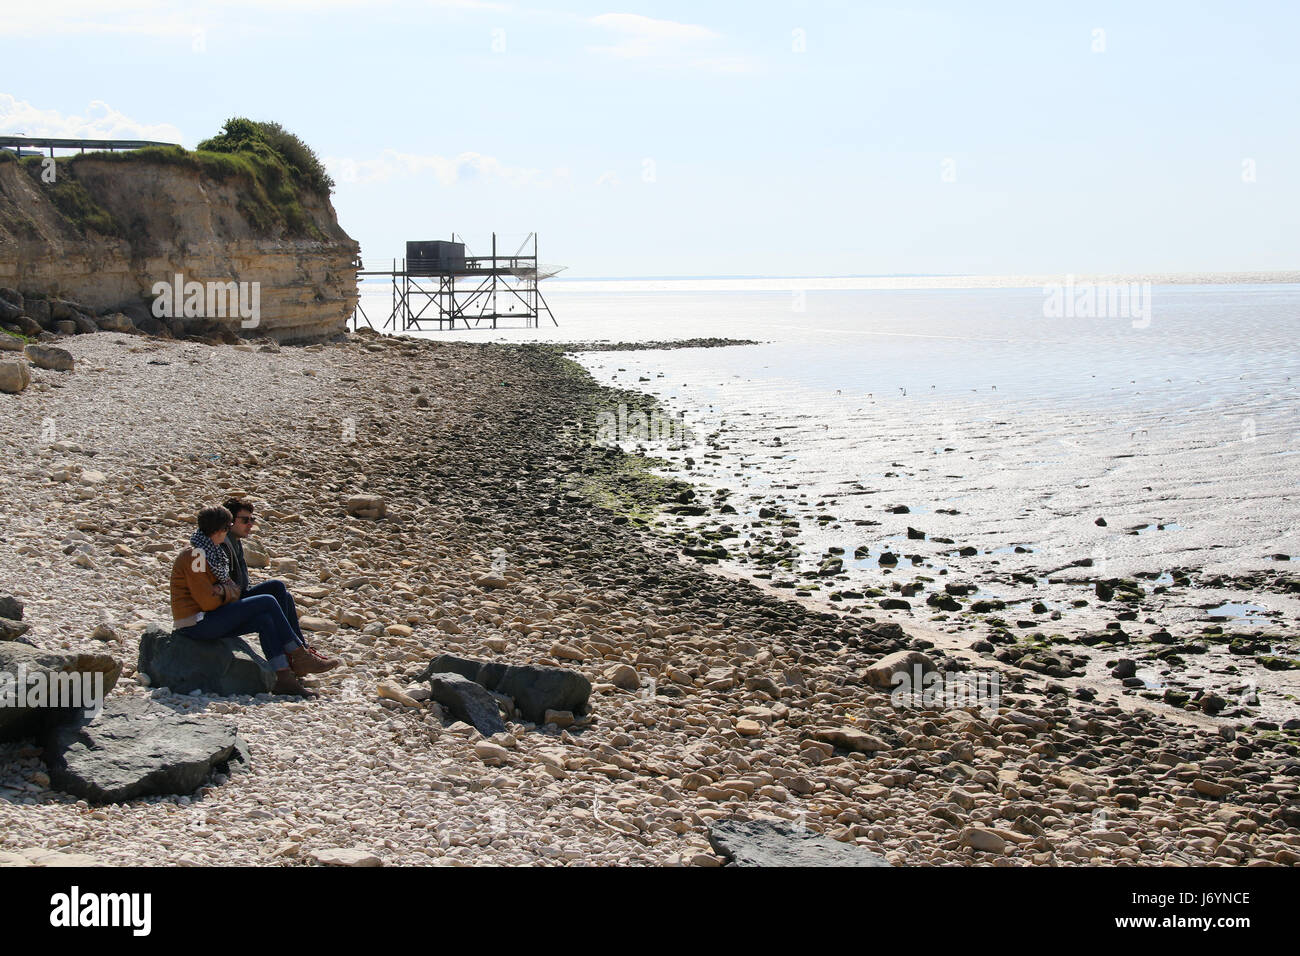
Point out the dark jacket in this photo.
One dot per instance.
(238, 566)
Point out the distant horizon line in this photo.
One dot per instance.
(1278, 275)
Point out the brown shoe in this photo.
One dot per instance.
(303, 662)
(288, 685)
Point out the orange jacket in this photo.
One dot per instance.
(194, 587)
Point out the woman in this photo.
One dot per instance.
(206, 606)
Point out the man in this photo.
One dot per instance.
(242, 513)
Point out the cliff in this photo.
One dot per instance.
(110, 226)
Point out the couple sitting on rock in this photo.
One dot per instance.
(211, 598)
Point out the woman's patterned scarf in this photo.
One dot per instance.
(218, 562)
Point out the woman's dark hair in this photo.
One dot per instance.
(212, 520)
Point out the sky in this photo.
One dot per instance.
(786, 138)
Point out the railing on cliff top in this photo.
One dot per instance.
(16, 144)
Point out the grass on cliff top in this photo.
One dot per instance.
(71, 199)
(275, 168)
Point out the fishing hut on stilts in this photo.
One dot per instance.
(440, 284)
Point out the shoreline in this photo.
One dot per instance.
(482, 454)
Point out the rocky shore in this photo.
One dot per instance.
(507, 535)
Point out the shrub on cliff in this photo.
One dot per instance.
(271, 140)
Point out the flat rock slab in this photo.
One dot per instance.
(33, 681)
(467, 701)
(345, 856)
(769, 843)
(534, 689)
(136, 747)
(226, 668)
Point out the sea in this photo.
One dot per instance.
(1144, 423)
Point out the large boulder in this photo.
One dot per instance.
(50, 357)
(40, 688)
(9, 311)
(11, 607)
(914, 664)
(14, 377)
(535, 689)
(371, 507)
(39, 310)
(772, 843)
(115, 322)
(10, 343)
(467, 701)
(226, 667)
(136, 747)
(11, 630)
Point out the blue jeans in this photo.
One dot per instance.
(261, 613)
(282, 596)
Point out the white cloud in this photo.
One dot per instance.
(448, 171)
(609, 178)
(101, 121)
(647, 37)
(160, 18)
(664, 44)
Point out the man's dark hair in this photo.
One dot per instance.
(236, 505)
(212, 520)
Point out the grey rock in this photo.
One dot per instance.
(115, 322)
(85, 324)
(14, 377)
(772, 843)
(9, 311)
(11, 630)
(11, 607)
(136, 747)
(467, 701)
(10, 343)
(70, 673)
(50, 357)
(225, 667)
(39, 310)
(12, 296)
(534, 689)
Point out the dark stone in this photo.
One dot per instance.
(1124, 668)
(225, 667)
(771, 843)
(136, 747)
(535, 690)
(39, 310)
(895, 604)
(25, 668)
(11, 630)
(915, 535)
(467, 701)
(11, 607)
(9, 312)
(538, 689)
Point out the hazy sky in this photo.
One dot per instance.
(729, 138)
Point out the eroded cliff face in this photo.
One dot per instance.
(172, 219)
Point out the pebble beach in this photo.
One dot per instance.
(509, 534)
